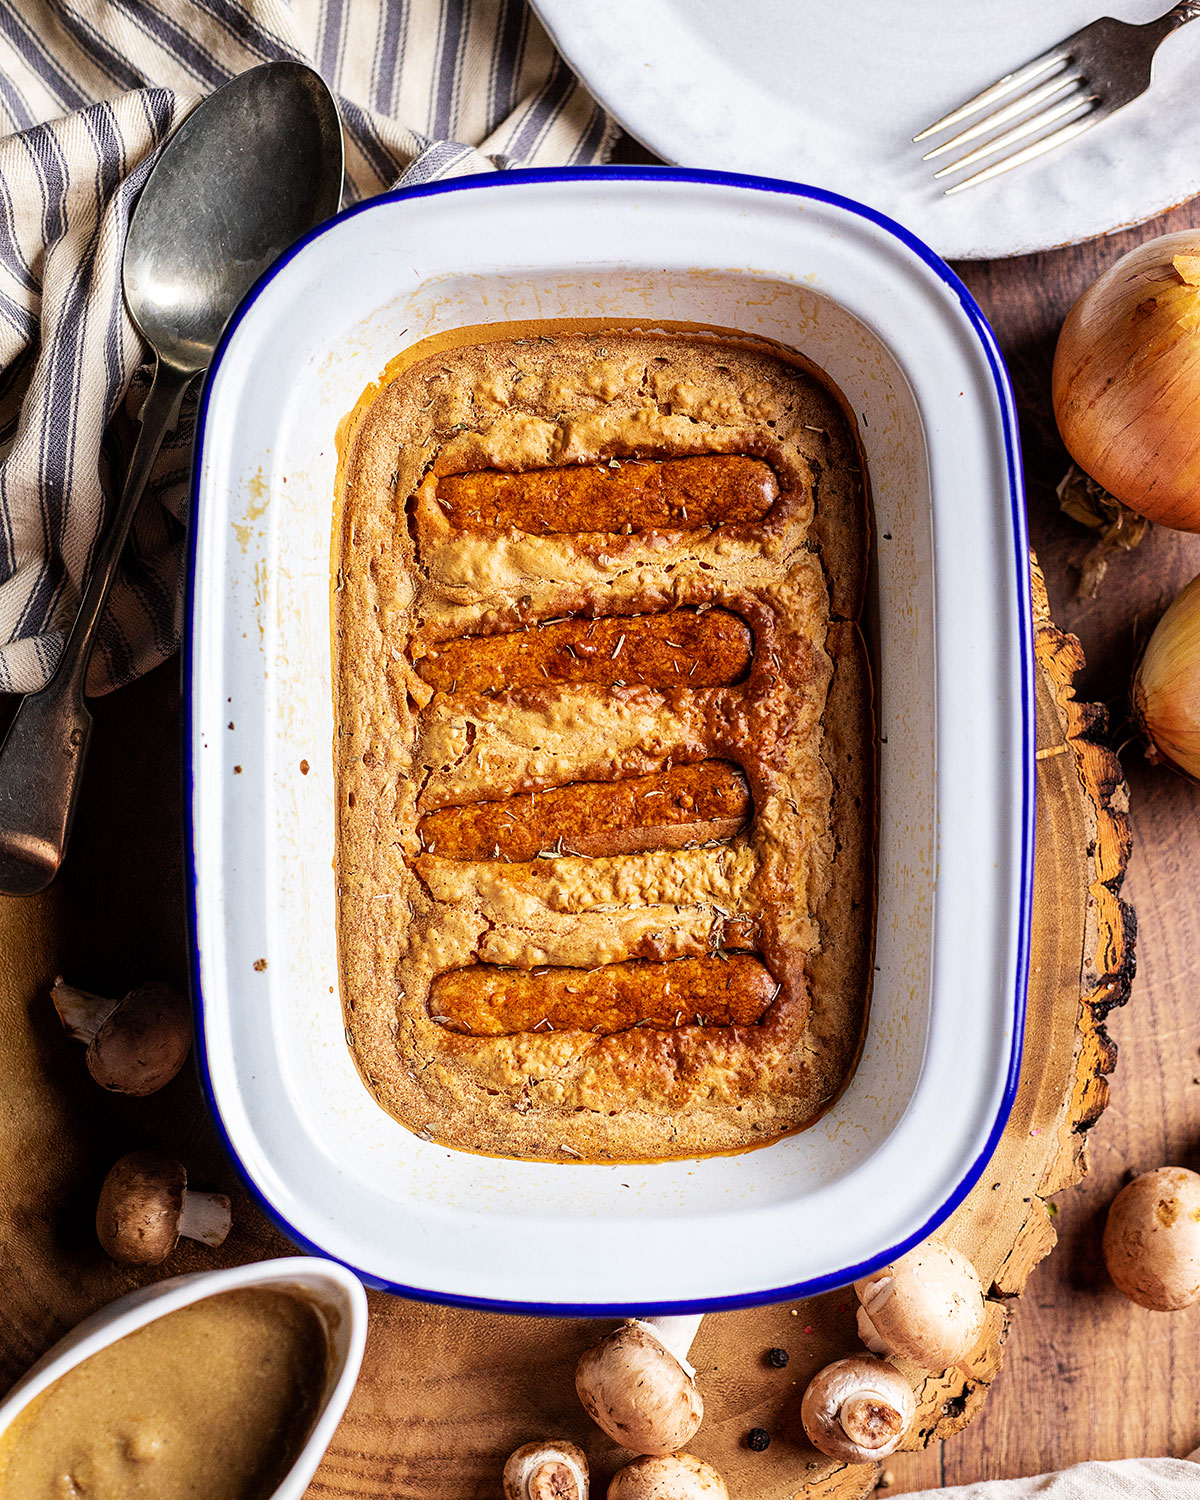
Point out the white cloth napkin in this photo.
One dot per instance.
(88, 90)
(1124, 1479)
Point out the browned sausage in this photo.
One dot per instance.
(681, 805)
(680, 649)
(675, 493)
(486, 1000)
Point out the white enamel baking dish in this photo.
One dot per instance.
(902, 338)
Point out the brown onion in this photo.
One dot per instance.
(1126, 380)
(1166, 685)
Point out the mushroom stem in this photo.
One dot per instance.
(207, 1217)
(676, 1334)
(81, 1012)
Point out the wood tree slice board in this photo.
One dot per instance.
(445, 1393)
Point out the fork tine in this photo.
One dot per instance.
(1007, 112)
(1029, 153)
(1000, 89)
(1026, 128)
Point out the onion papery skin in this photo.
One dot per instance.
(1166, 686)
(1126, 380)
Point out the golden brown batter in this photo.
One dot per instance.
(604, 746)
(212, 1401)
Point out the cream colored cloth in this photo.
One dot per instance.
(1125, 1479)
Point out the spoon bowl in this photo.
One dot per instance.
(252, 169)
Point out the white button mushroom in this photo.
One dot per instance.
(145, 1208)
(1152, 1239)
(927, 1306)
(638, 1386)
(553, 1470)
(675, 1476)
(857, 1409)
(135, 1045)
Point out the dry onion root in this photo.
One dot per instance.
(1166, 685)
(1126, 381)
(1117, 528)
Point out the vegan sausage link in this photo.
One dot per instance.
(684, 804)
(670, 494)
(487, 1000)
(682, 648)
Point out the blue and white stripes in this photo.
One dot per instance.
(88, 90)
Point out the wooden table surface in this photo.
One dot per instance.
(1087, 1375)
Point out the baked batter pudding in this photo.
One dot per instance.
(604, 748)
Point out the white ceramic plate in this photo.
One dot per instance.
(332, 1290)
(901, 337)
(831, 93)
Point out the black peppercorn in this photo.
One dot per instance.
(758, 1440)
(777, 1358)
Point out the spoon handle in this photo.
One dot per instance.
(158, 416)
(44, 751)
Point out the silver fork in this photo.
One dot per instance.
(1082, 80)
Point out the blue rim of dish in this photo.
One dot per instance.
(817, 1284)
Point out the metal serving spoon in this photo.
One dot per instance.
(250, 170)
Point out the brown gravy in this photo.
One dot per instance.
(213, 1400)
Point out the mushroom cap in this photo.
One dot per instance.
(927, 1306)
(673, 1476)
(633, 1387)
(1152, 1239)
(550, 1470)
(857, 1409)
(141, 1203)
(143, 1042)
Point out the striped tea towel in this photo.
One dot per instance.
(88, 90)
